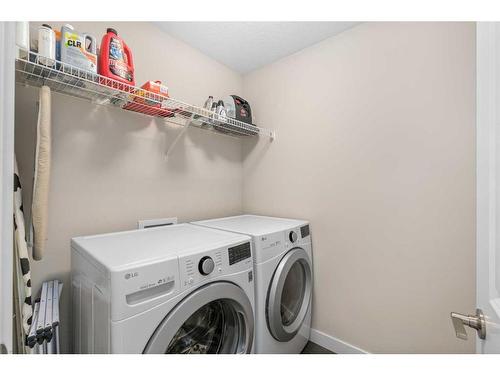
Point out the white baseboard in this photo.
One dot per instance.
(334, 344)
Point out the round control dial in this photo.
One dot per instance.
(292, 236)
(206, 265)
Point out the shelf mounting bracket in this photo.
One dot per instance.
(179, 135)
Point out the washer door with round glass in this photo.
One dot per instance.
(289, 295)
(215, 319)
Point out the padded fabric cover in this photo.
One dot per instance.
(41, 183)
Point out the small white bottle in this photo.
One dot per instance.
(221, 110)
(23, 38)
(208, 103)
(46, 45)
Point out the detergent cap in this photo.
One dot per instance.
(111, 30)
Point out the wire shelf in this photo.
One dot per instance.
(35, 70)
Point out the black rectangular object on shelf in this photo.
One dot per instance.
(243, 109)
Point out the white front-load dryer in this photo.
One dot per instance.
(175, 289)
(283, 279)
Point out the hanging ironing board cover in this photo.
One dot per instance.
(41, 182)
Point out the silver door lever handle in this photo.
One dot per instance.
(474, 321)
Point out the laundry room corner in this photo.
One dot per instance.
(291, 188)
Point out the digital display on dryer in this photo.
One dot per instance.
(238, 253)
(304, 231)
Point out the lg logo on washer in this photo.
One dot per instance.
(271, 241)
(129, 275)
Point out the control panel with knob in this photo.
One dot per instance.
(292, 236)
(206, 265)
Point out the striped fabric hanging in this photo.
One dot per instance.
(22, 251)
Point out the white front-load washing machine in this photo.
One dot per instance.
(176, 289)
(283, 279)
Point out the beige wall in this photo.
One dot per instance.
(108, 165)
(376, 147)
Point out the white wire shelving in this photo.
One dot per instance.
(35, 70)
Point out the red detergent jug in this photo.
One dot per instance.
(115, 59)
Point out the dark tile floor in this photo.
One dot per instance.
(312, 348)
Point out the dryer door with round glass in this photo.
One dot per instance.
(289, 295)
(215, 319)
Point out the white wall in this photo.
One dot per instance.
(108, 165)
(376, 147)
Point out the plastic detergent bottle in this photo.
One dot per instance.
(23, 38)
(78, 49)
(115, 59)
(46, 46)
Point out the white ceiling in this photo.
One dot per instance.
(246, 46)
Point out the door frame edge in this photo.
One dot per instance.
(7, 111)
